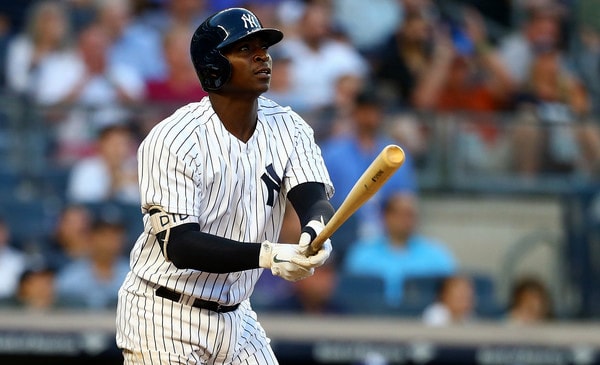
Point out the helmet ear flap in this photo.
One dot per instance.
(215, 71)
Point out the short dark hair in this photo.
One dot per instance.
(114, 127)
(368, 97)
(529, 284)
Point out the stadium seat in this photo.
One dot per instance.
(54, 181)
(361, 294)
(9, 183)
(486, 305)
(29, 221)
(418, 292)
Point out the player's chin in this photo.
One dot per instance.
(263, 87)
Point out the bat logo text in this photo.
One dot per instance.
(377, 175)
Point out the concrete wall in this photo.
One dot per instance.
(503, 236)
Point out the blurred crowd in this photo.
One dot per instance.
(101, 73)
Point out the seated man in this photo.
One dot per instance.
(94, 280)
(399, 251)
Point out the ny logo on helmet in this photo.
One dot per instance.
(249, 21)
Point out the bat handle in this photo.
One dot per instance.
(316, 244)
(311, 250)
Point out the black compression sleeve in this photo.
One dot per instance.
(188, 248)
(310, 202)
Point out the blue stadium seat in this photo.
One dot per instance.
(29, 221)
(361, 294)
(487, 305)
(54, 181)
(418, 292)
(9, 183)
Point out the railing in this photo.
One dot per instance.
(464, 152)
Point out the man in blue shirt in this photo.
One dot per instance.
(399, 252)
(93, 281)
(347, 157)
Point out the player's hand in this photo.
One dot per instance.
(309, 233)
(316, 260)
(281, 257)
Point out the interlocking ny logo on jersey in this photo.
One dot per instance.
(249, 21)
(273, 183)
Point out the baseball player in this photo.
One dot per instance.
(214, 179)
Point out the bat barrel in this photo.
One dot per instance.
(393, 155)
(380, 170)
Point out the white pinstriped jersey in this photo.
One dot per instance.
(191, 165)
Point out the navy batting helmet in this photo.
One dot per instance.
(218, 31)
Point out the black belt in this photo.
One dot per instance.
(198, 303)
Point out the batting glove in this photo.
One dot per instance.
(280, 258)
(309, 233)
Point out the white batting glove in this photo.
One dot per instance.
(280, 258)
(309, 233)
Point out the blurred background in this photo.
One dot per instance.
(483, 249)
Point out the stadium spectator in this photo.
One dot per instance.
(13, 15)
(88, 91)
(81, 13)
(129, 44)
(111, 174)
(95, 279)
(348, 155)
(412, 52)
(70, 237)
(454, 305)
(318, 59)
(476, 79)
(400, 251)
(179, 84)
(367, 26)
(530, 302)
(427, 8)
(185, 13)
(540, 30)
(37, 291)
(336, 118)
(12, 262)
(47, 33)
(585, 59)
(560, 136)
(281, 81)
(465, 76)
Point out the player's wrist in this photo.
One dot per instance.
(265, 255)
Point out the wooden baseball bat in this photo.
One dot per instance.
(381, 169)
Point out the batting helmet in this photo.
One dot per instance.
(218, 31)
